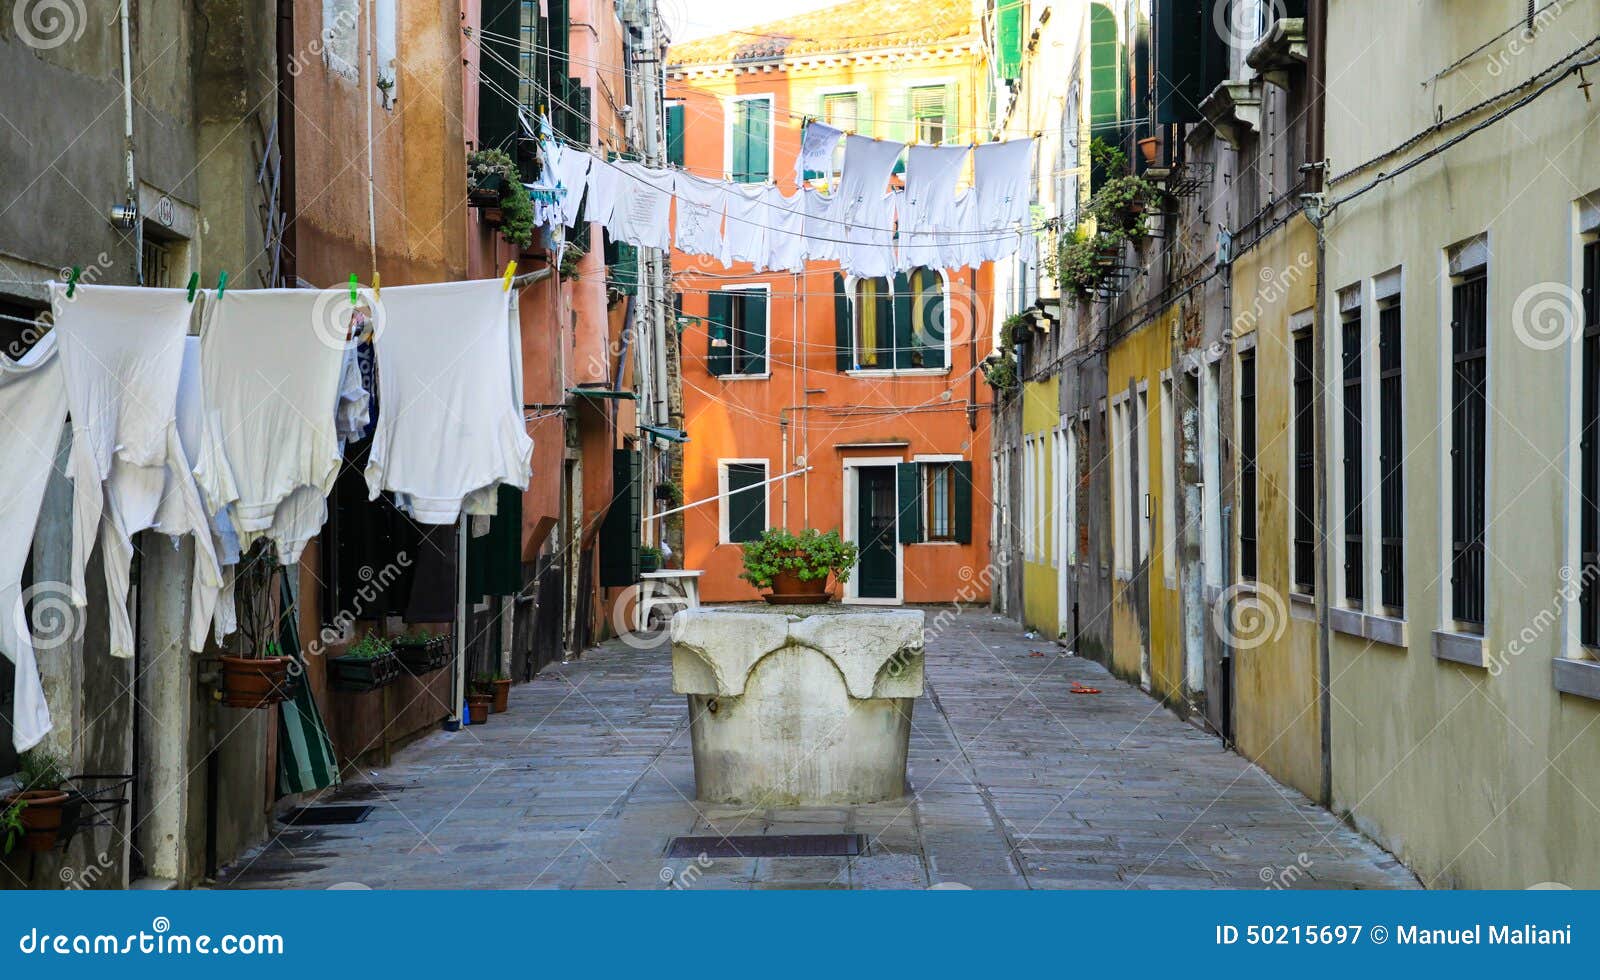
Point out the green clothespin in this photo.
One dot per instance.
(72, 281)
(194, 283)
(355, 300)
(222, 282)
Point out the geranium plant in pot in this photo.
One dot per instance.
(33, 813)
(256, 675)
(796, 567)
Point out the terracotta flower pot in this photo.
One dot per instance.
(478, 708)
(500, 690)
(254, 683)
(1148, 148)
(789, 589)
(41, 817)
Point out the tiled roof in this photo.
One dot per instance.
(860, 26)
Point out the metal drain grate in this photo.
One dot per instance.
(777, 845)
(308, 816)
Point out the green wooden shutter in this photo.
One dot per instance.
(843, 329)
(759, 127)
(719, 359)
(739, 143)
(619, 533)
(934, 324)
(908, 480)
(886, 328)
(675, 134)
(902, 321)
(1009, 35)
(962, 471)
(747, 511)
(753, 332)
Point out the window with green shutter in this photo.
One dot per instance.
(751, 141)
(745, 503)
(899, 323)
(620, 531)
(929, 110)
(675, 133)
(1010, 36)
(935, 501)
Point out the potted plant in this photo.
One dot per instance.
(478, 705)
(34, 812)
(1000, 371)
(367, 665)
(796, 567)
(1149, 148)
(668, 492)
(498, 687)
(570, 257)
(495, 185)
(257, 675)
(649, 559)
(1075, 263)
(420, 651)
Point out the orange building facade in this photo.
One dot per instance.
(815, 399)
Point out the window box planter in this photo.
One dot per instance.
(422, 655)
(487, 192)
(363, 673)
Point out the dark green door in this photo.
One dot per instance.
(875, 532)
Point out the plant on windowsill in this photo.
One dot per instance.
(257, 675)
(668, 492)
(421, 651)
(796, 567)
(367, 665)
(34, 812)
(570, 257)
(495, 185)
(1000, 372)
(1012, 330)
(1075, 263)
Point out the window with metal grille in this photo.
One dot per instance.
(928, 113)
(1589, 453)
(1469, 339)
(1354, 553)
(1247, 465)
(1305, 461)
(939, 498)
(1391, 487)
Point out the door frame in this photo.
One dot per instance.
(852, 496)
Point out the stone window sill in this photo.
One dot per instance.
(1580, 678)
(1383, 630)
(1302, 606)
(1461, 648)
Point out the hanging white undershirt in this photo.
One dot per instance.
(604, 186)
(785, 219)
(746, 228)
(269, 379)
(450, 422)
(570, 169)
(701, 204)
(821, 232)
(1001, 175)
(121, 350)
(928, 210)
(33, 409)
(817, 142)
(961, 246)
(863, 207)
(642, 215)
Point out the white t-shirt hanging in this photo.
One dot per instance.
(1001, 177)
(570, 168)
(747, 226)
(605, 184)
(821, 233)
(643, 212)
(863, 207)
(961, 246)
(785, 218)
(701, 204)
(928, 210)
(817, 142)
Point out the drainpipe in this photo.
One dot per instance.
(127, 143)
(1317, 22)
(372, 182)
(972, 350)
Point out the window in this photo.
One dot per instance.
(1247, 465)
(936, 500)
(1391, 500)
(1589, 453)
(1305, 461)
(341, 35)
(940, 499)
(1169, 480)
(750, 141)
(738, 332)
(899, 324)
(675, 117)
(1468, 407)
(1121, 516)
(1140, 442)
(1210, 473)
(385, 23)
(1354, 450)
(841, 110)
(928, 119)
(744, 499)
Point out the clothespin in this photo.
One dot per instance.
(194, 283)
(222, 282)
(511, 272)
(355, 286)
(72, 281)
(377, 285)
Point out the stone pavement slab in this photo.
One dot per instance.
(1015, 783)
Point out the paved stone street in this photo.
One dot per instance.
(1017, 783)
